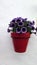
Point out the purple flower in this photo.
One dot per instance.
(18, 30)
(8, 30)
(11, 25)
(24, 20)
(30, 26)
(33, 22)
(36, 29)
(33, 28)
(13, 21)
(24, 29)
(18, 19)
(30, 23)
(20, 24)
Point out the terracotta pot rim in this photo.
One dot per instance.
(20, 36)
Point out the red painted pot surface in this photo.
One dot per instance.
(20, 41)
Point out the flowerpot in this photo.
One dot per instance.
(20, 41)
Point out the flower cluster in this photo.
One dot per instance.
(21, 25)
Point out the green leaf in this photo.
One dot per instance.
(14, 29)
(25, 24)
(29, 29)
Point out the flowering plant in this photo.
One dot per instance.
(21, 25)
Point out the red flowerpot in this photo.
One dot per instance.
(20, 41)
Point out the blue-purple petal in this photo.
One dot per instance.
(8, 30)
(11, 25)
(18, 30)
(24, 29)
(36, 29)
(20, 24)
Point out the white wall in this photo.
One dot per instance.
(8, 10)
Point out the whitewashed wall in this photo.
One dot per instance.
(8, 10)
